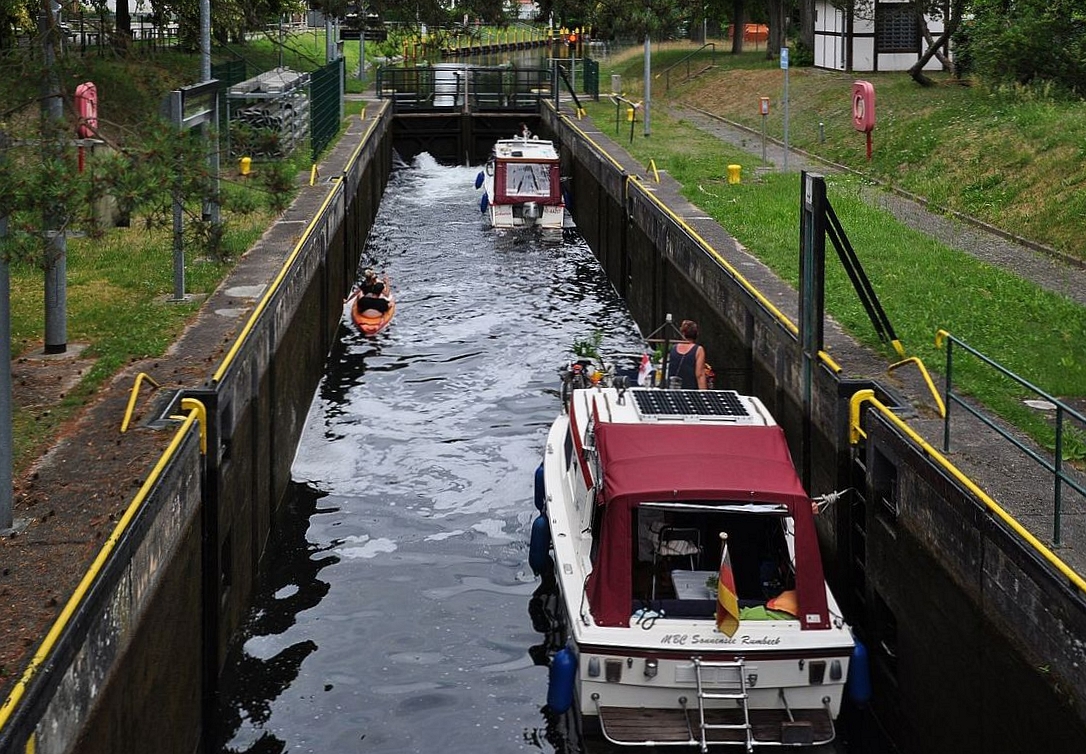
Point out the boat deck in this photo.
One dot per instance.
(637, 726)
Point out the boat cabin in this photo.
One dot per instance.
(665, 491)
(526, 170)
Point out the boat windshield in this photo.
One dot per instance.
(528, 179)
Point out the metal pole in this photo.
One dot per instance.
(6, 455)
(177, 115)
(784, 65)
(212, 210)
(205, 40)
(648, 82)
(56, 253)
(362, 46)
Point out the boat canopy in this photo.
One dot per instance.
(695, 462)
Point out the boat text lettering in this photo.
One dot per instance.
(683, 640)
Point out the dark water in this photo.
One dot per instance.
(394, 614)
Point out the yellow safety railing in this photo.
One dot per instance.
(262, 304)
(196, 412)
(132, 398)
(855, 432)
(927, 380)
(655, 172)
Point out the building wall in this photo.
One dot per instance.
(834, 41)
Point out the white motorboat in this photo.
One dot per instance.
(522, 185)
(641, 489)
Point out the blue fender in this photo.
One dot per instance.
(479, 180)
(859, 675)
(539, 549)
(560, 683)
(484, 202)
(540, 545)
(540, 491)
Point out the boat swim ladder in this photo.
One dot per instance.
(731, 675)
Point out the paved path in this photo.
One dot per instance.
(1047, 268)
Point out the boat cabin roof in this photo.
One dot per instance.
(525, 150)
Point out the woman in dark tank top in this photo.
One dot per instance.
(686, 360)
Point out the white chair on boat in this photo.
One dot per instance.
(675, 542)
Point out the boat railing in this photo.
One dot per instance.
(1069, 441)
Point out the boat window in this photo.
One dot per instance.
(528, 179)
(676, 555)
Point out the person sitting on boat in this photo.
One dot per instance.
(373, 302)
(525, 132)
(686, 360)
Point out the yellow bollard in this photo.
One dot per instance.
(733, 173)
(246, 165)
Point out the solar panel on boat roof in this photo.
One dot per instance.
(689, 403)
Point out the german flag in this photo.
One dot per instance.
(727, 603)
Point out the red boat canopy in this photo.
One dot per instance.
(695, 462)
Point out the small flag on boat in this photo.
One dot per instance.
(644, 372)
(727, 603)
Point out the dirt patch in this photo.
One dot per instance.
(40, 380)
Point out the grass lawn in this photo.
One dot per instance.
(923, 285)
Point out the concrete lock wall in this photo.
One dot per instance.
(143, 616)
(974, 645)
(265, 396)
(139, 668)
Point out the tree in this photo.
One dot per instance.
(777, 12)
(952, 18)
(640, 18)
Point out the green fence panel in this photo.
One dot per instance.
(324, 105)
(229, 73)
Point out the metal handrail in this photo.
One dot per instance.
(666, 73)
(856, 432)
(1055, 465)
(132, 398)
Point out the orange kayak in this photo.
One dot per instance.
(370, 322)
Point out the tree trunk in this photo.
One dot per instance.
(775, 11)
(953, 20)
(807, 23)
(123, 34)
(738, 13)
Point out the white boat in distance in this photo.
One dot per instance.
(639, 485)
(522, 185)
